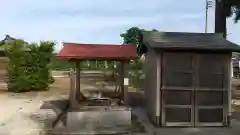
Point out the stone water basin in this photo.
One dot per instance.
(95, 116)
(98, 112)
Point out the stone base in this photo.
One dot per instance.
(98, 118)
(96, 121)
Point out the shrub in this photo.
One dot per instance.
(29, 65)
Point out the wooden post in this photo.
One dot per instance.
(230, 72)
(75, 94)
(126, 81)
(121, 79)
(72, 91)
(78, 95)
(123, 73)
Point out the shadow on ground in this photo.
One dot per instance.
(55, 105)
(50, 112)
(136, 99)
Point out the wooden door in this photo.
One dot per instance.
(211, 90)
(177, 89)
(194, 89)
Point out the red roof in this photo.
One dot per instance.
(97, 51)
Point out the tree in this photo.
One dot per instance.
(224, 9)
(134, 36)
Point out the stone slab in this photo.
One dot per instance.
(90, 120)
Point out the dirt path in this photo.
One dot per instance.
(20, 114)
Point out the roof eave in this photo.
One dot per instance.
(195, 49)
(94, 58)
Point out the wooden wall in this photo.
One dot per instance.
(151, 84)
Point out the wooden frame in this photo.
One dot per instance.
(75, 95)
(194, 106)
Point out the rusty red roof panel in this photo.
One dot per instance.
(97, 51)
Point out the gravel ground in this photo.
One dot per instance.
(20, 114)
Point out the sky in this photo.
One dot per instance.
(102, 21)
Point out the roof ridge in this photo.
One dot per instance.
(188, 40)
(65, 43)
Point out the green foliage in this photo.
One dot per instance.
(230, 8)
(136, 64)
(59, 64)
(29, 65)
(136, 67)
(134, 36)
(136, 73)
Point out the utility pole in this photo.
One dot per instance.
(208, 4)
(220, 18)
(206, 16)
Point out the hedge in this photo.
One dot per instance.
(29, 65)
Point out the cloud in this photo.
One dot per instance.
(191, 16)
(97, 21)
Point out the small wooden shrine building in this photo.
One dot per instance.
(79, 52)
(188, 78)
